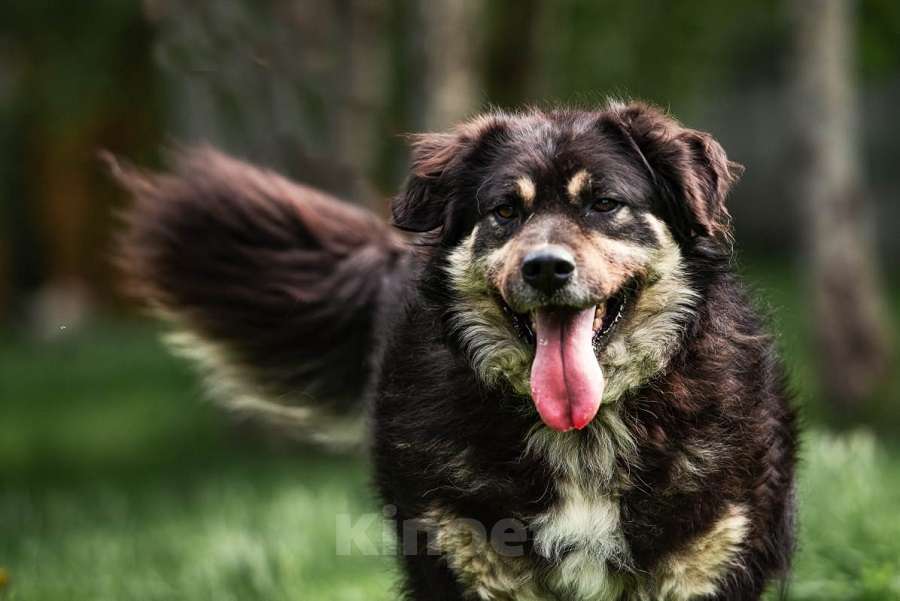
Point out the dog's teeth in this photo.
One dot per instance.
(598, 323)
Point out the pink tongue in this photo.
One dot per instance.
(566, 380)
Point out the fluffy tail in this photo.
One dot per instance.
(275, 288)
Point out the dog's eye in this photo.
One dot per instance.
(604, 205)
(505, 212)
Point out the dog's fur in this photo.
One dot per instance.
(681, 486)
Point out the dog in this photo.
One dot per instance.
(551, 346)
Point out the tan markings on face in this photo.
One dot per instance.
(526, 190)
(503, 270)
(603, 264)
(577, 184)
(698, 570)
(504, 265)
(641, 345)
(492, 345)
(646, 340)
(608, 264)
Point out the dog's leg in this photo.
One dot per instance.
(746, 583)
(429, 579)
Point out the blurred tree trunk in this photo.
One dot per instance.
(449, 40)
(5, 278)
(360, 77)
(513, 62)
(293, 85)
(849, 317)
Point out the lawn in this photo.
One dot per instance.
(118, 482)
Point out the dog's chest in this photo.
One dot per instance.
(579, 552)
(581, 537)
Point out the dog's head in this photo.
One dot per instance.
(561, 235)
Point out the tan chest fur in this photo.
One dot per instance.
(594, 568)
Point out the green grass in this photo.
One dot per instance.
(849, 496)
(117, 482)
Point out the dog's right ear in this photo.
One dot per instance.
(420, 206)
(437, 161)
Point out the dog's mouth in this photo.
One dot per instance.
(607, 316)
(567, 381)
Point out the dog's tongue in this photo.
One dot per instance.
(566, 380)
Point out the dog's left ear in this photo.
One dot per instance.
(689, 166)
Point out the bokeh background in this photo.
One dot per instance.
(118, 482)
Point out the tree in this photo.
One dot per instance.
(450, 44)
(849, 315)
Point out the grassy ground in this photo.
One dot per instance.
(117, 483)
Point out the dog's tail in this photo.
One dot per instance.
(275, 289)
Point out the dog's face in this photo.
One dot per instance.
(563, 234)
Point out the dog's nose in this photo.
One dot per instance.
(548, 268)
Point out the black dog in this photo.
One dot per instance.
(561, 358)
